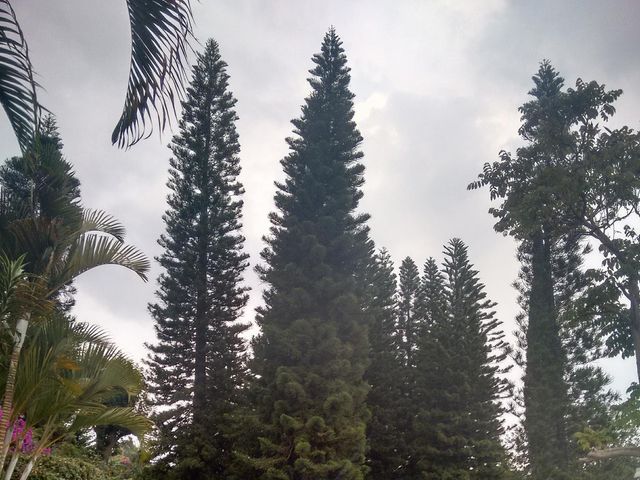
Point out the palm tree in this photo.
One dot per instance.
(160, 34)
(69, 372)
(43, 225)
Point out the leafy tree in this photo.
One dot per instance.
(312, 353)
(160, 31)
(596, 191)
(525, 212)
(586, 179)
(197, 365)
(460, 386)
(385, 433)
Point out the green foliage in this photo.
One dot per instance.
(572, 180)
(520, 182)
(577, 176)
(41, 219)
(67, 374)
(43, 224)
(56, 467)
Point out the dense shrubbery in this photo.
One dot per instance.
(67, 468)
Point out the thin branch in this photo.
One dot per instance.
(607, 453)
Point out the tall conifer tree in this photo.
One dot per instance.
(460, 383)
(313, 350)
(408, 307)
(386, 430)
(197, 364)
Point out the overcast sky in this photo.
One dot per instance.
(437, 87)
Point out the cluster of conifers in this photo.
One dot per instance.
(351, 375)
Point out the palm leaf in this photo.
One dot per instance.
(99, 221)
(67, 371)
(160, 33)
(92, 250)
(21, 293)
(125, 417)
(17, 86)
(11, 275)
(88, 333)
(107, 373)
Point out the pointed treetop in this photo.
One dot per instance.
(330, 69)
(548, 81)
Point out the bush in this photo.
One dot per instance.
(66, 468)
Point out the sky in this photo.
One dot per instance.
(437, 87)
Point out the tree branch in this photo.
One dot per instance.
(606, 453)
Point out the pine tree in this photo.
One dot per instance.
(385, 431)
(460, 384)
(197, 364)
(430, 377)
(408, 307)
(313, 349)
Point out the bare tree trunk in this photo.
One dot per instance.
(27, 470)
(5, 449)
(7, 403)
(14, 460)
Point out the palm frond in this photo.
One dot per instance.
(21, 293)
(92, 250)
(125, 417)
(11, 275)
(100, 221)
(88, 333)
(160, 34)
(66, 373)
(17, 86)
(33, 237)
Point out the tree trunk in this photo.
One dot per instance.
(7, 403)
(5, 449)
(201, 317)
(27, 470)
(634, 299)
(14, 460)
(545, 390)
(107, 451)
